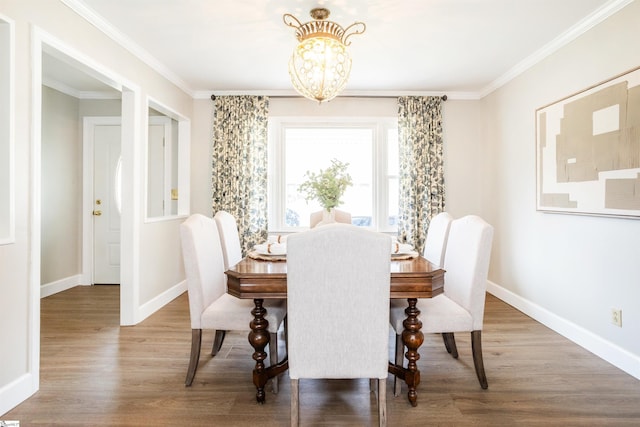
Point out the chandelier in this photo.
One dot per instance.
(320, 65)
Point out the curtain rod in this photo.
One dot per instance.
(444, 97)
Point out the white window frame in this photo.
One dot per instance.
(276, 152)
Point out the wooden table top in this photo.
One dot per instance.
(411, 278)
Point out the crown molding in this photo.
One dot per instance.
(562, 40)
(101, 24)
(63, 88)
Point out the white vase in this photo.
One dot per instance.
(328, 217)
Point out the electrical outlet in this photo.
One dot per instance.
(616, 316)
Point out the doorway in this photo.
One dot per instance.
(70, 73)
(103, 197)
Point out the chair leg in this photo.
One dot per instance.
(476, 348)
(382, 402)
(196, 340)
(450, 343)
(397, 385)
(295, 403)
(286, 335)
(273, 355)
(217, 342)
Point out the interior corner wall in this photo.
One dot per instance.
(201, 157)
(567, 271)
(463, 149)
(61, 154)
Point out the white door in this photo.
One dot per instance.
(106, 204)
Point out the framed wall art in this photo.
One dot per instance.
(588, 150)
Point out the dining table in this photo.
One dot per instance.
(261, 279)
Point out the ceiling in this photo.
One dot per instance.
(464, 48)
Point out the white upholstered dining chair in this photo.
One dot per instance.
(434, 250)
(338, 279)
(340, 216)
(229, 238)
(435, 245)
(210, 306)
(461, 307)
(232, 252)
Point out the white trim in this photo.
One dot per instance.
(52, 288)
(184, 162)
(277, 126)
(67, 90)
(597, 345)
(35, 199)
(11, 236)
(156, 303)
(16, 392)
(132, 215)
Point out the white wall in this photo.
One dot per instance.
(152, 271)
(461, 132)
(567, 271)
(61, 224)
(201, 157)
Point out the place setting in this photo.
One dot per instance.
(275, 249)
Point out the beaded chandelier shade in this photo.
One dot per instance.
(320, 65)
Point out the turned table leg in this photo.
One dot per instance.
(412, 337)
(259, 338)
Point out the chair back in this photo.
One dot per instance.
(467, 264)
(436, 244)
(203, 264)
(340, 216)
(338, 279)
(228, 230)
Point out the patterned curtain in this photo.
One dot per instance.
(421, 166)
(239, 166)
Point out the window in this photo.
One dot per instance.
(167, 153)
(369, 146)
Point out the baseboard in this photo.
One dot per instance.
(148, 308)
(602, 348)
(51, 288)
(16, 392)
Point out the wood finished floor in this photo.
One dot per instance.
(96, 373)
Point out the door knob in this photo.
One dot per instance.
(97, 213)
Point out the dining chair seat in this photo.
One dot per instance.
(210, 306)
(461, 307)
(434, 251)
(444, 315)
(232, 253)
(227, 312)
